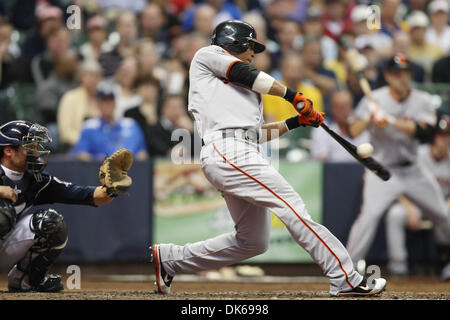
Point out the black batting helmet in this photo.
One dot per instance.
(235, 36)
(398, 62)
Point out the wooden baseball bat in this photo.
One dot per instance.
(369, 162)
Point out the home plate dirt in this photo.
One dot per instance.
(404, 289)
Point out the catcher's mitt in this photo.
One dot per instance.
(113, 172)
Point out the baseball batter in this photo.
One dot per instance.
(396, 144)
(225, 100)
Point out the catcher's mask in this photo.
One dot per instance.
(34, 138)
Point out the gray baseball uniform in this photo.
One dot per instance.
(249, 184)
(398, 152)
(397, 216)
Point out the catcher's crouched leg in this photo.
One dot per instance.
(7, 217)
(29, 274)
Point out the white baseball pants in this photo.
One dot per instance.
(16, 243)
(250, 186)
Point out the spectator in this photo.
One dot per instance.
(174, 114)
(226, 10)
(126, 27)
(148, 60)
(194, 41)
(278, 109)
(105, 135)
(79, 104)
(124, 89)
(185, 140)
(134, 6)
(289, 39)
(147, 115)
(277, 11)
(417, 5)
(159, 126)
(50, 92)
(9, 55)
(48, 19)
(440, 72)
(339, 66)
(364, 36)
(334, 20)
(389, 10)
(97, 31)
(204, 20)
(421, 51)
(439, 31)
(324, 148)
(176, 82)
(289, 36)
(405, 214)
(313, 28)
(153, 25)
(314, 71)
(58, 45)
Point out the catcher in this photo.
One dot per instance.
(32, 239)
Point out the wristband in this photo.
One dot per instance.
(292, 123)
(290, 95)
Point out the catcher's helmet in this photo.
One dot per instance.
(398, 62)
(33, 137)
(235, 35)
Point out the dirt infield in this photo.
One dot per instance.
(404, 289)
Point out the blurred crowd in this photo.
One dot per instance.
(121, 78)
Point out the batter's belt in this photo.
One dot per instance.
(248, 135)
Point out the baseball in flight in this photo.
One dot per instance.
(364, 150)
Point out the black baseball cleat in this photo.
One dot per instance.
(50, 284)
(364, 290)
(163, 279)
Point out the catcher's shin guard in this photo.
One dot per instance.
(7, 217)
(51, 238)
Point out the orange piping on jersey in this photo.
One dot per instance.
(292, 209)
(229, 67)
